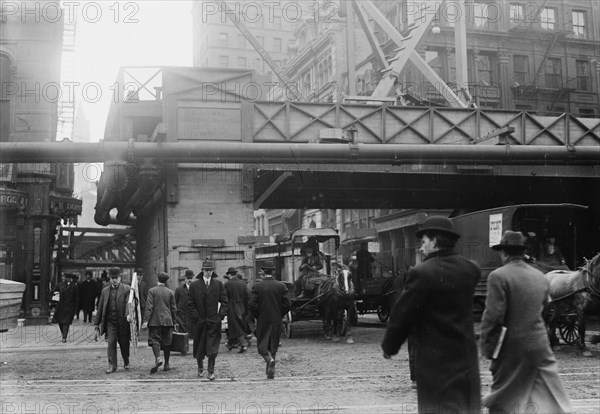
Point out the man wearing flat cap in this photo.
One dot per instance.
(181, 299)
(207, 306)
(111, 318)
(237, 310)
(524, 370)
(270, 301)
(436, 309)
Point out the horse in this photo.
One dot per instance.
(578, 290)
(335, 304)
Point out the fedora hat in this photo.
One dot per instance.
(114, 272)
(268, 265)
(511, 239)
(207, 264)
(231, 271)
(439, 224)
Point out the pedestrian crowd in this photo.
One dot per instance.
(433, 314)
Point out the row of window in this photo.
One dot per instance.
(242, 42)
(523, 73)
(484, 16)
(243, 62)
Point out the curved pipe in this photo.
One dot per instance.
(301, 153)
(147, 184)
(114, 179)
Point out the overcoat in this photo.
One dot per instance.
(525, 370)
(181, 299)
(122, 309)
(68, 303)
(436, 306)
(87, 295)
(160, 307)
(237, 307)
(206, 316)
(270, 301)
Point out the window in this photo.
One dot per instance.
(579, 24)
(521, 69)
(242, 62)
(480, 17)
(553, 73)
(548, 18)
(485, 69)
(241, 41)
(223, 61)
(587, 112)
(277, 44)
(517, 13)
(583, 75)
(223, 39)
(433, 59)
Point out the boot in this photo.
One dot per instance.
(167, 356)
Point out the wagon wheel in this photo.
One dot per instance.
(568, 327)
(287, 324)
(383, 312)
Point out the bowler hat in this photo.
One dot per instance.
(207, 264)
(511, 239)
(437, 224)
(231, 271)
(268, 265)
(189, 273)
(114, 272)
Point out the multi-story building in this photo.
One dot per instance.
(541, 57)
(218, 43)
(35, 198)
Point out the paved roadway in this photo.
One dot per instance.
(313, 376)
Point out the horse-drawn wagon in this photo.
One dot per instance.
(320, 285)
(570, 226)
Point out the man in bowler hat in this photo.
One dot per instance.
(181, 298)
(270, 301)
(160, 319)
(237, 309)
(436, 308)
(207, 306)
(112, 318)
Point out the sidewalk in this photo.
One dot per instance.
(42, 338)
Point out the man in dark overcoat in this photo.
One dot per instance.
(87, 296)
(524, 372)
(237, 309)
(270, 301)
(160, 319)
(181, 299)
(207, 306)
(68, 304)
(112, 318)
(436, 306)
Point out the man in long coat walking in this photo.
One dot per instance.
(68, 304)
(237, 309)
(207, 306)
(525, 373)
(112, 319)
(181, 299)
(270, 301)
(436, 306)
(87, 296)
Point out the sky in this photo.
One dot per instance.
(125, 33)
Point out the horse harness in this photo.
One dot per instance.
(590, 287)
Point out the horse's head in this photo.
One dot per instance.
(344, 281)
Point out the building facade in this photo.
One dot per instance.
(34, 198)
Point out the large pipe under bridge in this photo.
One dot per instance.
(298, 153)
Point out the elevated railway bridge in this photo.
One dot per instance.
(188, 157)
